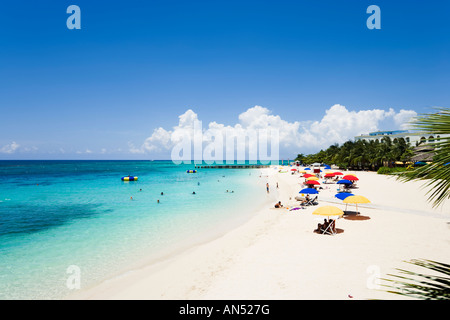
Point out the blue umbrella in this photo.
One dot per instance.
(343, 195)
(309, 191)
(307, 169)
(343, 181)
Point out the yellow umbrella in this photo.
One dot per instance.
(328, 211)
(312, 178)
(355, 200)
(302, 171)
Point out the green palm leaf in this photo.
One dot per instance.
(422, 286)
(436, 174)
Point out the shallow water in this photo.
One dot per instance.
(57, 214)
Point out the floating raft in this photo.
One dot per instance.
(129, 178)
(191, 171)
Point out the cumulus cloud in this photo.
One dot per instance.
(404, 117)
(337, 125)
(10, 148)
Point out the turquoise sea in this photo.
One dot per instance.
(58, 214)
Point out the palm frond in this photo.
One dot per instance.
(437, 174)
(422, 286)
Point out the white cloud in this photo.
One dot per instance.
(403, 118)
(10, 148)
(336, 126)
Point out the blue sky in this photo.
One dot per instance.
(136, 66)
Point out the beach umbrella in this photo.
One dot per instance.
(328, 211)
(309, 191)
(307, 175)
(293, 169)
(343, 195)
(338, 173)
(350, 177)
(312, 178)
(329, 175)
(313, 182)
(307, 169)
(301, 171)
(355, 200)
(343, 181)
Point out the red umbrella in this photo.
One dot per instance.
(338, 174)
(311, 182)
(293, 169)
(329, 175)
(350, 177)
(307, 175)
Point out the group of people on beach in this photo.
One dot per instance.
(328, 226)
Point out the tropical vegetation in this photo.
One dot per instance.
(362, 154)
(436, 175)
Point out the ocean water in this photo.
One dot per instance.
(58, 214)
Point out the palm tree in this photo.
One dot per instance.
(437, 174)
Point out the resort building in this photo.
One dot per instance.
(414, 138)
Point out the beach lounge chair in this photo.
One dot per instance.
(312, 202)
(329, 227)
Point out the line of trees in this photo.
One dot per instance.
(362, 154)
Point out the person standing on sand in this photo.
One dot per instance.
(267, 186)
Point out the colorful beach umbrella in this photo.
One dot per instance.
(313, 182)
(328, 211)
(355, 200)
(329, 175)
(309, 191)
(307, 175)
(350, 177)
(293, 169)
(338, 173)
(307, 169)
(343, 181)
(312, 178)
(343, 195)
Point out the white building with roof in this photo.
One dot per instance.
(414, 138)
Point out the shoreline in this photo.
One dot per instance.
(276, 255)
(152, 263)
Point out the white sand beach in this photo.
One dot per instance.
(276, 254)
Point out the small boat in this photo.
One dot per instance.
(191, 171)
(129, 178)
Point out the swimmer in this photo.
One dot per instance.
(131, 198)
(162, 193)
(157, 201)
(193, 192)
